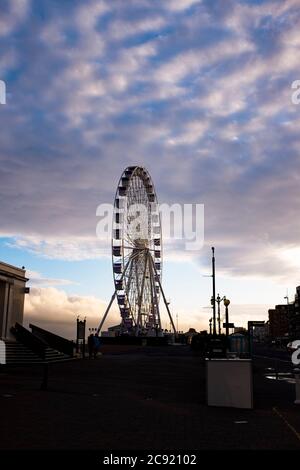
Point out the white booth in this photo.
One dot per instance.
(229, 383)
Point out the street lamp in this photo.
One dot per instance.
(219, 300)
(213, 301)
(226, 303)
(288, 313)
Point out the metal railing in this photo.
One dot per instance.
(36, 345)
(54, 341)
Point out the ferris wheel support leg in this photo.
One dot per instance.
(111, 300)
(139, 322)
(168, 310)
(165, 300)
(155, 298)
(139, 295)
(106, 312)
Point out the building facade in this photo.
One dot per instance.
(294, 317)
(12, 294)
(279, 321)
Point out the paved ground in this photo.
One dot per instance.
(141, 398)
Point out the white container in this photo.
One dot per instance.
(229, 383)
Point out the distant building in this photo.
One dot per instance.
(284, 320)
(12, 295)
(112, 331)
(239, 329)
(279, 321)
(294, 317)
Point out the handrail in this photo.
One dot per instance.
(54, 341)
(33, 343)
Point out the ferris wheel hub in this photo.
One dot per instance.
(141, 243)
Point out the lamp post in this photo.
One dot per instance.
(226, 303)
(213, 300)
(288, 314)
(219, 300)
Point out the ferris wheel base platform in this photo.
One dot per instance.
(136, 340)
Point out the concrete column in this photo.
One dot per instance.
(3, 306)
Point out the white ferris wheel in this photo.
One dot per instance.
(137, 254)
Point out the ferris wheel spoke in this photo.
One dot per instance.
(136, 280)
(127, 289)
(129, 255)
(128, 239)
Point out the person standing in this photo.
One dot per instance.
(96, 345)
(91, 345)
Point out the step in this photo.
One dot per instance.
(18, 353)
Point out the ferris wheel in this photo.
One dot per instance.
(137, 254)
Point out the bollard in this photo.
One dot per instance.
(297, 383)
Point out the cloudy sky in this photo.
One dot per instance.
(198, 92)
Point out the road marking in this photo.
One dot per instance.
(297, 434)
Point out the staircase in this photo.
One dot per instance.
(52, 355)
(30, 348)
(18, 353)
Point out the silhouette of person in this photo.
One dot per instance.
(91, 345)
(96, 345)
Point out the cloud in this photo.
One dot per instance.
(198, 92)
(13, 13)
(180, 5)
(38, 280)
(54, 309)
(87, 15)
(193, 61)
(122, 29)
(66, 249)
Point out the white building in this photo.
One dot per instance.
(12, 294)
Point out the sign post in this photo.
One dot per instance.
(80, 336)
(226, 303)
